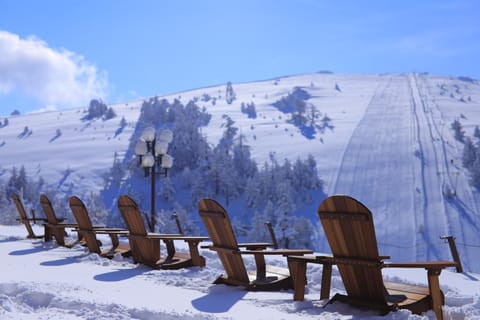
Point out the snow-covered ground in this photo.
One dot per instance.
(43, 281)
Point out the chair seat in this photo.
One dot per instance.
(413, 297)
(178, 261)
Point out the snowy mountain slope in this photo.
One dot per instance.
(78, 154)
(389, 144)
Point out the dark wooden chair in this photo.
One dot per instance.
(89, 232)
(55, 224)
(146, 246)
(265, 278)
(25, 219)
(349, 228)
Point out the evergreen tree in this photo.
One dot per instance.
(258, 232)
(115, 176)
(458, 130)
(284, 210)
(229, 93)
(168, 191)
(109, 114)
(476, 132)
(302, 234)
(469, 153)
(123, 123)
(475, 170)
(254, 197)
(243, 163)
(96, 109)
(312, 116)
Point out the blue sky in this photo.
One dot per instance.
(60, 54)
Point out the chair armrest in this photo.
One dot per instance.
(434, 269)
(298, 270)
(111, 231)
(31, 219)
(255, 245)
(283, 252)
(62, 225)
(312, 259)
(180, 237)
(166, 236)
(434, 265)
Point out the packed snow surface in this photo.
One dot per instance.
(43, 281)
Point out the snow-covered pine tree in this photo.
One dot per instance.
(457, 128)
(258, 232)
(302, 234)
(284, 209)
(469, 153)
(476, 132)
(229, 93)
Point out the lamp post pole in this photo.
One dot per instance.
(152, 154)
(153, 220)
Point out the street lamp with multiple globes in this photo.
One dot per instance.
(152, 154)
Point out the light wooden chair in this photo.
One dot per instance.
(349, 228)
(25, 219)
(55, 225)
(146, 246)
(265, 278)
(89, 232)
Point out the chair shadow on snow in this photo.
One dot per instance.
(220, 298)
(62, 262)
(33, 250)
(121, 274)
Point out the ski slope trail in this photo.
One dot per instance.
(452, 202)
(398, 164)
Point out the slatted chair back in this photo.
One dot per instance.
(48, 209)
(132, 216)
(144, 249)
(52, 220)
(23, 215)
(220, 231)
(349, 228)
(85, 225)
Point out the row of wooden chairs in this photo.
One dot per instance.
(348, 226)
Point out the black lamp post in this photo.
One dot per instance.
(152, 154)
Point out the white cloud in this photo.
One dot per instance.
(53, 77)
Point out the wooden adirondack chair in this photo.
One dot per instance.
(349, 228)
(25, 219)
(89, 232)
(146, 246)
(266, 278)
(55, 224)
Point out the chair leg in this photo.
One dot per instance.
(435, 292)
(114, 240)
(197, 259)
(47, 233)
(326, 281)
(298, 271)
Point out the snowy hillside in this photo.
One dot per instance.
(388, 143)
